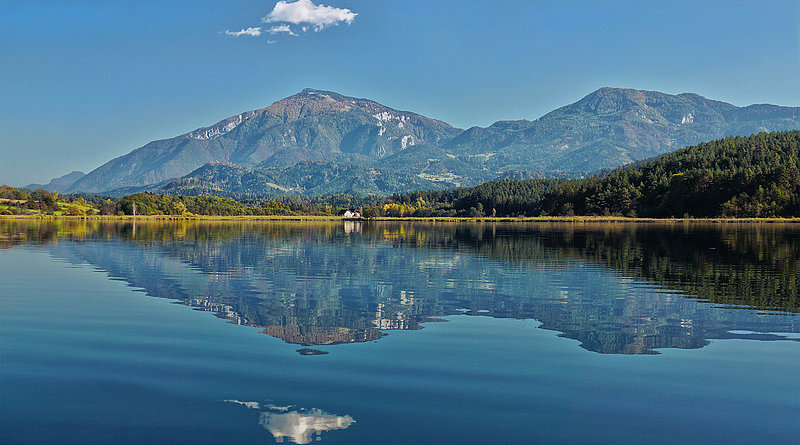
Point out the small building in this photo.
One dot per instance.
(350, 213)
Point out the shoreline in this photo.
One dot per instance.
(322, 218)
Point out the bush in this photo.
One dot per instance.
(74, 211)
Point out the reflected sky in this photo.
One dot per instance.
(620, 289)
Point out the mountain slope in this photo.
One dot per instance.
(311, 125)
(59, 184)
(614, 126)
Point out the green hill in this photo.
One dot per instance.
(755, 176)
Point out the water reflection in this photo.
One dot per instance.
(297, 425)
(310, 351)
(352, 227)
(622, 288)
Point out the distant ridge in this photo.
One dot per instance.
(607, 128)
(59, 184)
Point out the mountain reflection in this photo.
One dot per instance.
(617, 288)
(296, 425)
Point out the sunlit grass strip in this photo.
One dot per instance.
(533, 219)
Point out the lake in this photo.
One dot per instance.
(381, 332)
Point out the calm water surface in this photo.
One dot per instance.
(399, 333)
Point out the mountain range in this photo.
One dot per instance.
(320, 142)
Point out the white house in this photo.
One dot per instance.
(350, 214)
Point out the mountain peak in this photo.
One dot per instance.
(622, 93)
(316, 91)
(322, 94)
(647, 105)
(645, 97)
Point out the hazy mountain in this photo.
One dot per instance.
(608, 128)
(59, 184)
(612, 127)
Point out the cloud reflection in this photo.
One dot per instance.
(296, 425)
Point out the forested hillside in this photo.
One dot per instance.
(302, 179)
(754, 176)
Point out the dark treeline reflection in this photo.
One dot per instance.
(617, 288)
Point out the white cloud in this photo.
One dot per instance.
(253, 32)
(252, 405)
(305, 11)
(281, 29)
(271, 42)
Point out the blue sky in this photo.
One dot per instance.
(82, 82)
